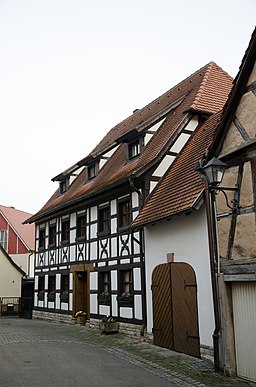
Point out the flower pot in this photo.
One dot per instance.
(81, 320)
(109, 327)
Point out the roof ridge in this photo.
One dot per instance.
(15, 209)
(98, 149)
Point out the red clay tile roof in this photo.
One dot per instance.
(206, 90)
(181, 185)
(15, 218)
(210, 87)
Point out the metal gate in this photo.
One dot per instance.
(175, 315)
(25, 307)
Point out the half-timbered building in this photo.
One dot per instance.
(88, 257)
(236, 146)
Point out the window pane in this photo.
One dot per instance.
(126, 282)
(65, 230)
(42, 238)
(81, 226)
(104, 219)
(3, 238)
(51, 283)
(52, 235)
(134, 149)
(124, 211)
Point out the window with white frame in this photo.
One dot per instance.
(3, 239)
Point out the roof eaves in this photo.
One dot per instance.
(63, 175)
(75, 202)
(167, 218)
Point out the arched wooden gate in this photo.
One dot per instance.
(175, 315)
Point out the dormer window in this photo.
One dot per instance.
(92, 170)
(64, 184)
(134, 149)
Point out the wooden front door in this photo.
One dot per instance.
(80, 294)
(175, 315)
(81, 288)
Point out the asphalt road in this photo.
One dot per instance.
(45, 361)
(69, 364)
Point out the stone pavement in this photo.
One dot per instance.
(178, 369)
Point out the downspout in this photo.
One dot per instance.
(143, 274)
(212, 237)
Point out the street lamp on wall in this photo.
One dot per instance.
(212, 173)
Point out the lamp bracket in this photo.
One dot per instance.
(235, 206)
(235, 189)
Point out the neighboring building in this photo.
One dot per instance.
(236, 146)
(88, 257)
(10, 283)
(18, 239)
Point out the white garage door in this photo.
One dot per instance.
(244, 310)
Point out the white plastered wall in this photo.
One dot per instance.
(10, 278)
(186, 237)
(25, 262)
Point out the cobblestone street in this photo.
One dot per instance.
(34, 352)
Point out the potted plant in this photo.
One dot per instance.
(80, 317)
(109, 325)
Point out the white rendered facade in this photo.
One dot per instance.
(186, 237)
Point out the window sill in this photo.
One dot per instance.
(80, 239)
(64, 243)
(103, 233)
(124, 228)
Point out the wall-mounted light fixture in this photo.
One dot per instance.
(212, 173)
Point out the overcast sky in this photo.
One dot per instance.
(72, 69)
